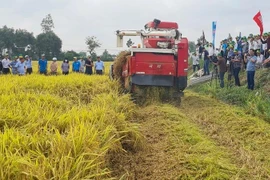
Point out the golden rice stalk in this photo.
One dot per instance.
(120, 60)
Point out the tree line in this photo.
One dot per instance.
(20, 41)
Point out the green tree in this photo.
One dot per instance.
(6, 38)
(92, 43)
(49, 44)
(192, 46)
(70, 55)
(47, 24)
(82, 54)
(23, 38)
(106, 56)
(94, 56)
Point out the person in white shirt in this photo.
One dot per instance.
(251, 44)
(258, 43)
(260, 59)
(195, 62)
(6, 65)
(211, 51)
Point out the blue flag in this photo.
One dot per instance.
(214, 27)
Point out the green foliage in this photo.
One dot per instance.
(255, 102)
(22, 38)
(106, 56)
(6, 37)
(49, 44)
(70, 55)
(191, 46)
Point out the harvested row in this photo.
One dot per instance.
(48, 134)
(176, 149)
(247, 138)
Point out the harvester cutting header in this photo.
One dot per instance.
(161, 60)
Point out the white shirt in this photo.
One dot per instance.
(211, 51)
(5, 63)
(195, 60)
(258, 44)
(251, 45)
(259, 59)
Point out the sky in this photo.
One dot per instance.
(74, 20)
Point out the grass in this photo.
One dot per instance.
(244, 136)
(63, 127)
(255, 102)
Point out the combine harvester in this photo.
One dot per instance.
(160, 63)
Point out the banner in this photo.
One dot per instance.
(214, 27)
(258, 19)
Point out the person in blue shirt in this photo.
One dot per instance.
(20, 66)
(13, 64)
(76, 65)
(250, 59)
(28, 64)
(99, 66)
(42, 65)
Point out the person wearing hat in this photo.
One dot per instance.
(251, 60)
(221, 63)
(65, 67)
(20, 66)
(236, 66)
(76, 65)
(28, 63)
(54, 66)
(43, 65)
(6, 65)
(13, 64)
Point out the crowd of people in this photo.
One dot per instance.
(244, 53)
(22, 65)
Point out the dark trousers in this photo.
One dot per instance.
(29, 71)
(6, 71)
(65, 73)
(99, 72)
(43, 72)
(221, 78)
(196, 66)
(250, 79)
(236, 76)
(206, 67)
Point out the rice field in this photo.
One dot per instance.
(83, 127)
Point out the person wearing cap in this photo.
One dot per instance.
(43, 65)
(88, 66)
(237, 63)
(76, 65)
(221, 63)
(28, 63)
(65, 67)
(251, 59)
(54, 66)
(13, 65)
(20, 66)
(6, 65)
(257, 43)
(195, 62)
(99, 66)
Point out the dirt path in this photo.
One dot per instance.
(203, 139)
